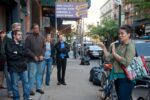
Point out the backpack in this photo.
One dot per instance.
(85, 61)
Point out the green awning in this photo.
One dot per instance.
(48, 3)
(7, 2)
(52, 2)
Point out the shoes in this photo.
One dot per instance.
(47, 84)
(2, 87)
(10, 94)
(63, 83)
(58, 83)
(40, 91)
(32, 93)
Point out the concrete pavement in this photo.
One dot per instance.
(78, 87)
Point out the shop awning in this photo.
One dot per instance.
(7, 2)
(140, 22)
(48, 3)
(52, 2)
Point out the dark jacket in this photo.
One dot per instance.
(52, 50)
(35, 46)
(16, 61)
(60, 50)
(2, 53)
(2, 48)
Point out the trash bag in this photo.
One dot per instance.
(85, 60)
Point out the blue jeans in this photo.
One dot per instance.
(35, 73)
(8, 78)
(124, 88)
(48, 66)
(15, 76)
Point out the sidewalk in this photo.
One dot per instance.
(78, 87)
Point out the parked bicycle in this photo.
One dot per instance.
(107, 85)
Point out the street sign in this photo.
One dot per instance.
(118, 2)
(71, 10)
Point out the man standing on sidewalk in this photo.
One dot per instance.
(35, 46)
(15, 26)
(62, 49)
(17, 67)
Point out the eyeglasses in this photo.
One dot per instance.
(122, 34)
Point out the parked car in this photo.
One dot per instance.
(94, 51)
(142, 88)
(143, 49)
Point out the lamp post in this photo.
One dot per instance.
(119, 3)
(119, 15)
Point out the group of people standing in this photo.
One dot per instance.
(27, 59)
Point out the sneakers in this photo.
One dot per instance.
(58, 83)
(47, 84)
(63, 83)
(32, 93)
(2, 87)
(40, 91)
(30, 98)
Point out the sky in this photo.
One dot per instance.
(94, 12)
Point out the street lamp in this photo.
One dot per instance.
(119, 15)
(119, 3)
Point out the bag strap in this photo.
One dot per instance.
(144, 63)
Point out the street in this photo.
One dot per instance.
(78, 87)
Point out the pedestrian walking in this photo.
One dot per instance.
(3, 63)
(75, 49)
(35, 46)
(62, 49)
(121, 55)
(17, 67)
(48, 58)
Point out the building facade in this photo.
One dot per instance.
(25, 12)
(137, 20)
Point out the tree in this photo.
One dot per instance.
(141, 7)
(107, 29)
